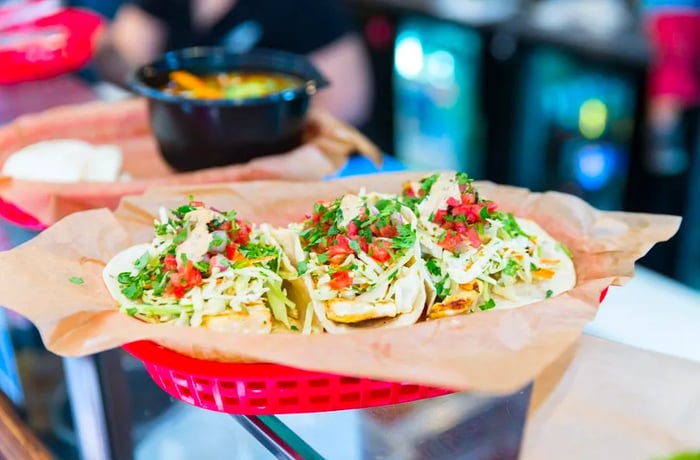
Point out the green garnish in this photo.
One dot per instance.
(548, 294)
(510, 225)
(131, 311)
(484, 213)
(355, 246)
(433, 267)
(427, 183)
(512, 268)
(142, 261)
(182, 235)
(302, 266)
(76, 280)
(442, 288)
(406, 237)
(489, 304)
(323, 258)
(393, 274)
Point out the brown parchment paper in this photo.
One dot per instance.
(496, 351)
(327, 144)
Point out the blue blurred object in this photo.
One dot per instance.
(10, 383)
(358, 165)
(436, 91)
(574, 128)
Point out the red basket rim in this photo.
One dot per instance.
(153, 353)
(16, 216)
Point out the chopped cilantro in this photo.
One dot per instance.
(133, 291)
(124, 278)
(302, 266)
(217, 241)
(184, 209)
(512, 268)
(131, 311)
(293, 327)
(323, 258)
(428, 182)
(548, 294)
(433, 267)
(406, 237)
(442, 288)
(231, 216)
(489, 304)
(202, 267)
(142, 261)
(76, 280)
(383, 204)
(533, 267)
(510, 225)
(484, 213)
(355, 246)
(161, 229)
(182, 235)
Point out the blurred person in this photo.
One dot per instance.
(673, 28)
(320, 29)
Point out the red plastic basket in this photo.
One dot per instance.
(262, 388)
(16, 216)
(267, 388)
(47, 46)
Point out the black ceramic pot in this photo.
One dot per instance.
(195, 133)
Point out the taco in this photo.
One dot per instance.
(206, 268)
(358, 257)
(476, 257)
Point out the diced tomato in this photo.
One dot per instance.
(364, 245)
(408, 191)
(230, 251)
(176, 288)
(492, 206)
(339, 250)
(243, 234)
(388, 231)
(182, 280)
(226, 226)
(170, 262)
(454, 202)
(191, 275)
(468, 198)
(439, 217)
(378, 252)
(473, 237)
(340, 280)
(352, 228)
(198, 204)
(451, 241)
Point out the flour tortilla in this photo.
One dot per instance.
(303, 289)
(564, 274)
(227, 321)
(525, 293)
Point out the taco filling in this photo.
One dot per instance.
(359, 260)
(205, 268)
(477, 257)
